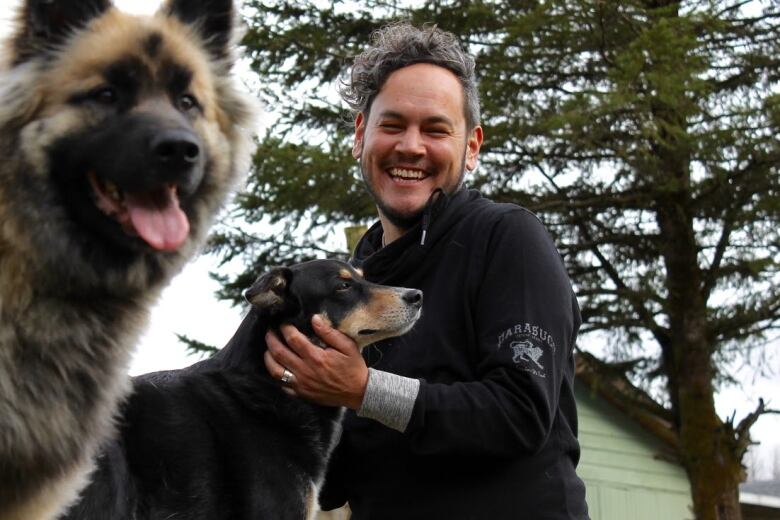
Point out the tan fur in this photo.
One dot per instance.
(312, 503)
(53, 495)
(68, 329)
(385, 311)
(117, 35)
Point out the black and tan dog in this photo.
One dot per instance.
(120, 138)
(220, 439)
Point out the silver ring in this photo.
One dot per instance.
(287, 377)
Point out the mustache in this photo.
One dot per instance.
(416, 164)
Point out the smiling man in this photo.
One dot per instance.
(471, 415)
(414, 140)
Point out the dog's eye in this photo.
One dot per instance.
(343, 286)
(187, 102)
(105, 95)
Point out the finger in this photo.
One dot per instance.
(297, 342)
(278, 357)
(281, 351)
(334, 338)
(274, 368)
(274, 343)
(277, 372)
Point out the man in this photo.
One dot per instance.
(471, 414)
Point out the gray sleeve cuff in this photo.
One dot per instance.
(389, 399)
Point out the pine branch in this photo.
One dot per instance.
(197, 348)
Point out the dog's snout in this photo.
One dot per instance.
(250, 293)
(413, 297)
(175, 149)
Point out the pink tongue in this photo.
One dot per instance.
(158, 219)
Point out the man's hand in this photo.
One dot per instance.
(334, 376)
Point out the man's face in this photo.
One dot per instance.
(414, 141)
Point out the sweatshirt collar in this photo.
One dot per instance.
(440, 212)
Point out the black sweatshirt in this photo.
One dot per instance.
(493, 433)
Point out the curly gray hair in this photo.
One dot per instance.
(398, 45)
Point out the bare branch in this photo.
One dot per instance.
(742, 431)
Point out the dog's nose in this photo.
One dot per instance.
(175, 149)
(413, 297)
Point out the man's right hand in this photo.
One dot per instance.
(333, 376)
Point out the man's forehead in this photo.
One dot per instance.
(413, 78)
(423, 90)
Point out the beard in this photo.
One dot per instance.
(407, 220)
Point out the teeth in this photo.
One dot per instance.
(407, 174)
(112, 191)
(106, 189)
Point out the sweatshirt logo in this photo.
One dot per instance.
(525, 351)
(528, 344)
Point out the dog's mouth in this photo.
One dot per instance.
(155, 215)
(368, 332)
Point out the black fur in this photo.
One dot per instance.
(48, 23)
(220, 439)
(214, 18)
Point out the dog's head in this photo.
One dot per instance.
(121, 134)
(364, 311)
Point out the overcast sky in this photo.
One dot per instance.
(188, 306)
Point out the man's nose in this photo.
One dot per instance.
(411, 142)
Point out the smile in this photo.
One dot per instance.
(401, 173)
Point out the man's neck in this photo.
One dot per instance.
(390, 231)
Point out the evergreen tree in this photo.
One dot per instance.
(644, 134)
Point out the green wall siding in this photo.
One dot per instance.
(624, 476)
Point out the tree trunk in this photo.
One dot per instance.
(707, 448)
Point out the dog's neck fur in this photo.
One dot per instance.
(59, 403)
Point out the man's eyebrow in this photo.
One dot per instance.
(439, 120)
(432, 120)
(390, 114)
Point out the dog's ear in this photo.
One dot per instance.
(44, 24)
(215, 21)
(270, 294)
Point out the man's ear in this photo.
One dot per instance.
(360, 132)
(473, 145)
(215, 21)
(270, 294)
(44, 24)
